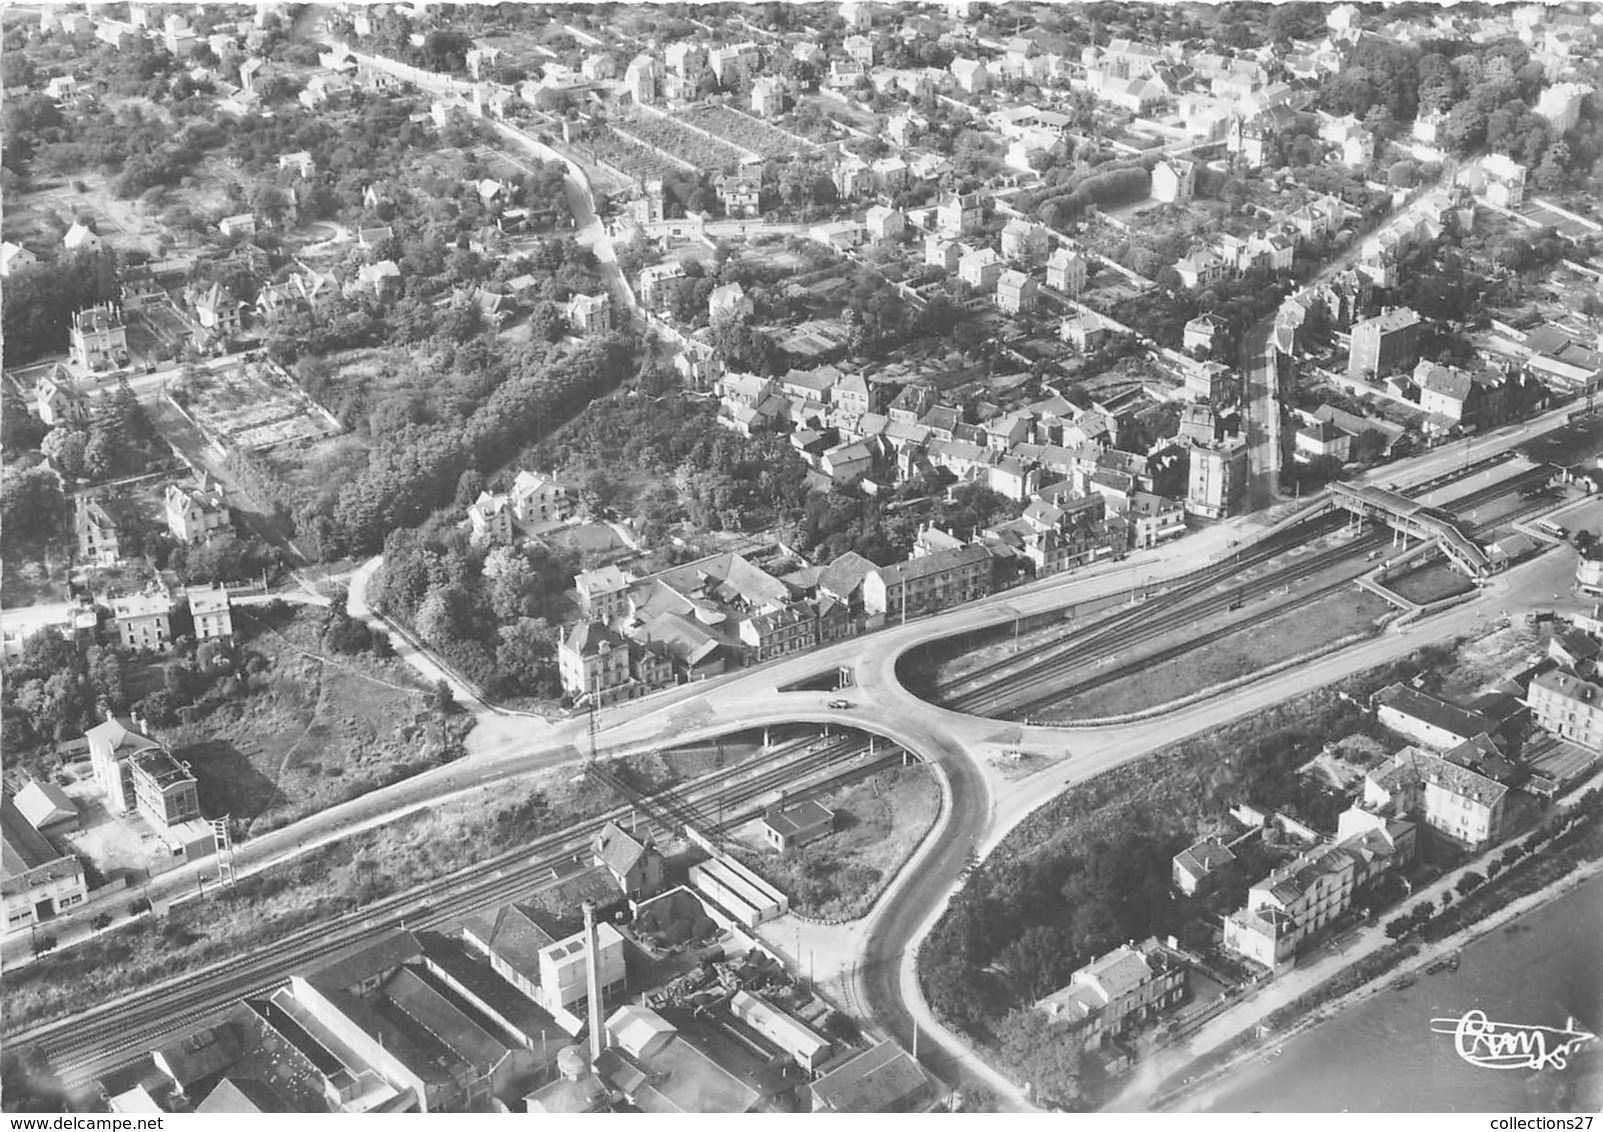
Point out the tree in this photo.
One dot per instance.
(64, 447)
(1469, 882)
(513, 587)
(525, 656)
(443, 701)
(469, 486)
(31, 501)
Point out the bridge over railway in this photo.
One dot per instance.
(1411, 517)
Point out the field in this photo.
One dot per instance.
(252, 407)
(878, 824)
(745, 132)
(1290, 634)
(313, 729)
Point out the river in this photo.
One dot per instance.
(1381, 1056)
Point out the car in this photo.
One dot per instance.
(840, 703)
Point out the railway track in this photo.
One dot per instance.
(996, 690)
(87, 1044)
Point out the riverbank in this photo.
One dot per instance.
(1195, 1094)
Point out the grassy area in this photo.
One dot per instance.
(1429, 583)
(33, 572)
(310, 730)
(878, 824)
(1290, 634)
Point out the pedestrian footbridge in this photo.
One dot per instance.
(1414, 518)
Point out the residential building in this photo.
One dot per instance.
(490, 517)
(82, 238)
(593, 660)
(144, 620)
(212, 612)
(1465, 805)
(970, 75)
(1311, 892)
(1154, 519)
(1200, 867)
(244, 224)
(922, 585)
(216, 309)
(112, 746)
(634, 862)
(604, 592)
(538, 498)
(980, 269)
(1322, 440)
(1066, 271)
(792, 628)
(1085, 332)
(15, 257)
(1426, 719)
(1385, 344)
(1210, 382)
(740, 196)
(1015, 292)
(98, 338)
(958, 214)
(941, 253)
(59, 400)
(729, 301)
(38, 881)
(1218, 478)
(797, 826)
(1174, 181)
(196, 514)
(1117, 992)
(589, 314)
(165, 792)
(885, 223)
(99, 538)
(768, 97)
(1568, 706)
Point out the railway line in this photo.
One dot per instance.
(90, 1043)
(1012, 687)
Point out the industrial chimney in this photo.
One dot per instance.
(592, 970)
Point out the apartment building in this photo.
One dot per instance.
(1568, 707)
(922, 585)
(1464, 805)
(1117, 992)
(1385, 344)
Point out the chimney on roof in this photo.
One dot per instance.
(592, 970)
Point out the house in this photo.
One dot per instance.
(538, 499)
(99, 539)
(379, 278)
(59, 400)
(1199, 867)
(921, 585)
(941, 253)
(589, 314)
(82, 238)
(1426, 719)
(1015, 292)
(1118, 992)
(1202, 331)
(216, 309)
(490, 517)
(1322, 440)
(958, 214)
(845, 464)
(98, 338)
(1569, 707)
(740, 196)
(243, 224)
(1464, 805)
(1066, 271)
(980, 269)
(861, 49)
(1174, 181)
(1085, 332)
(1385, 344)
(593, 661)
(634, 862)
(729, 301)
(144, 620)
(211, 611)
(643, 80)
(970, 75)
(15, 257)
(768, 97)
(885, 223)
(38, 881)
(1201, 268)
(1154, 519)
(1312, 891)
(197, 515)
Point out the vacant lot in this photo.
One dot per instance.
(311, 728)
(1292, 633)
(878, 824)
(1429, 583)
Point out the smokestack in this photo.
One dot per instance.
(592, 970)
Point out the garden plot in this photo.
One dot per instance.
(252, 407)
(696, 150)
(746, 132)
